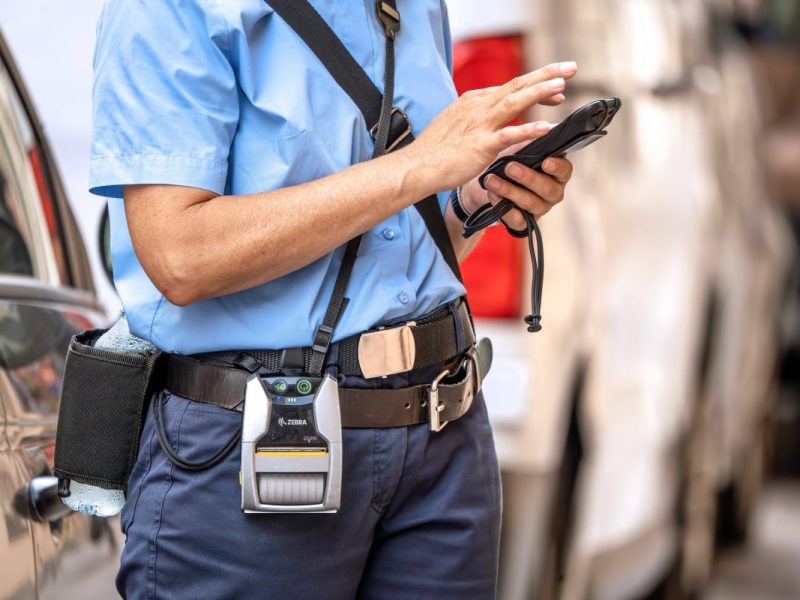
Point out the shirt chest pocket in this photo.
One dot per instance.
(260, 164)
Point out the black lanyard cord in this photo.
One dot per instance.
(172, 454)
(338, 301)
(487, 215)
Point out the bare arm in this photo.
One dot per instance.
(194, 244)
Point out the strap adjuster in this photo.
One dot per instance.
(399, 129)
(322, 340)
(389, 18)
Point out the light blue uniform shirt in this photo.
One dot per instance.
(223, 95)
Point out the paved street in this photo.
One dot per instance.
(769, 567)
(88, 572)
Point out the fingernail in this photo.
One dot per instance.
(491, 182)
(547, 164)
(556, 84)
(513, 170)
(542, 126)
(568, 67)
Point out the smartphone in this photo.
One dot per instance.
(583, 127)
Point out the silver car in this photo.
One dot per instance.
(46, 295)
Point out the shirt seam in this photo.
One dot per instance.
(228, 28)
(162, 155)
(153, 320)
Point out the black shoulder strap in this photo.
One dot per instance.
(325, 44)
(350, 76)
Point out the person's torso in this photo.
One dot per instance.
(295, 125)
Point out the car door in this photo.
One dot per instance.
(34, 334)
(46, 296)
(17, 565)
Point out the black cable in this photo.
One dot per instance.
(487, 215)
(179, 461)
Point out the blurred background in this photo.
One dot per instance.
(649, 436)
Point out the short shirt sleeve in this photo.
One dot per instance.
(165, 102)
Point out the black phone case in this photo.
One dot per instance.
(583, 127)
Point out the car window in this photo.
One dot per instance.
(15, 259)
(30, 239)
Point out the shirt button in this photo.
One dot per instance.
(403, 297)
(389, 234)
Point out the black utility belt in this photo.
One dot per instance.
(432, 339)
(443, 337)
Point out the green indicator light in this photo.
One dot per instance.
(304, 386)
(280, 386)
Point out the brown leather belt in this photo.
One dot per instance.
(445, 399)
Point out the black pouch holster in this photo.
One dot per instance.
(104, 401)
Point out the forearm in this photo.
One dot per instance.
(213, 245)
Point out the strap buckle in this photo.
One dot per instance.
(322, 340)
(434, 406)
(387, 351)
(471, 387)
(399, 129)
(389, 18)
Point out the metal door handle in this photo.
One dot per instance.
(38, 500)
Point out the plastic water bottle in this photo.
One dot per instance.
(91, 499)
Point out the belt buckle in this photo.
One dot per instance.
(434, 407)
(387, 351)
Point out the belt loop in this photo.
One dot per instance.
(292, 359)
(453, 309)
(332, 360)
(247, 362)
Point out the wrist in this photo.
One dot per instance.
(470, 199)
(458, 208)
(417, 180)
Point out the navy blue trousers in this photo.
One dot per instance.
(420, 516)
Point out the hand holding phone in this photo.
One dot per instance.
(583, 127)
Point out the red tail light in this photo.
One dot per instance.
(492, 273)
(49, 209)
(44, 191)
